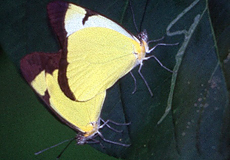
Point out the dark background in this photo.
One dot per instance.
(197, 127)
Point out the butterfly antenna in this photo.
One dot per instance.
(71, 140)
(134, 20)
(37, 153)
(143, 15)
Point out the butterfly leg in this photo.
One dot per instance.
(106, 140)
(156, 40)
(161, 44)
(159, 62)
(105, 123)
(135, 82)
(146, 83)
(94, 141)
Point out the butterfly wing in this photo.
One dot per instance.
(35, 65)
(40, 70)
(78, 115)
(96, 50)
(97, 62)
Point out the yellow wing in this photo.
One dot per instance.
(41, 72)
(80, 115)
(96, 50)
(97, 58)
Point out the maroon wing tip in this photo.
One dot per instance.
(32, 64)
(56, 12)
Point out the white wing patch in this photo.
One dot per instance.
(74, 22)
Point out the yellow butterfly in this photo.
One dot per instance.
(97, 51)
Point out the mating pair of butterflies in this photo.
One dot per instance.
(96, 52)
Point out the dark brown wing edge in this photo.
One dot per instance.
(56, 12)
